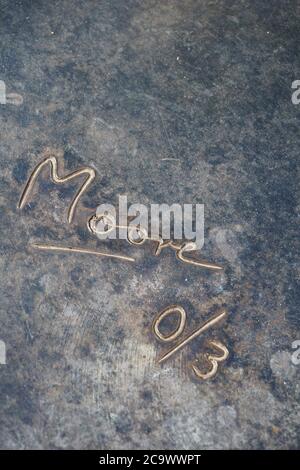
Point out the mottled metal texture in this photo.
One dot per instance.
(170, 101)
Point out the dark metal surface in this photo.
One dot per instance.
(170, 101)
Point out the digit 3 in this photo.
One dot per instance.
(213, 360)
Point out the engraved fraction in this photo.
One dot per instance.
(211, 359)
